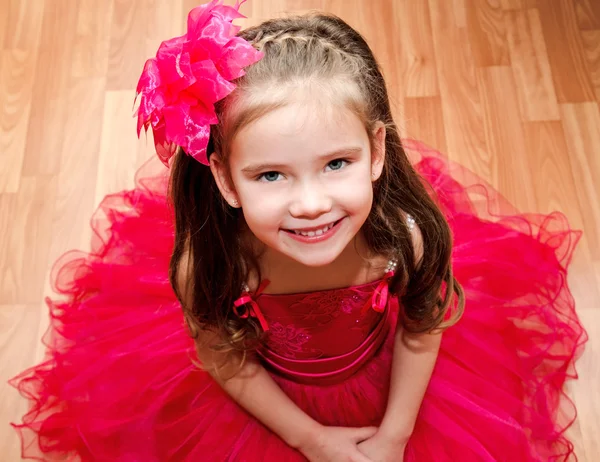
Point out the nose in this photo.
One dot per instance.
(310, 201)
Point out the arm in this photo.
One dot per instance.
(254, 389)
(249, 385)
(412, 366)
(413, 361)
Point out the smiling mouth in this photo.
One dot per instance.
(313, 232)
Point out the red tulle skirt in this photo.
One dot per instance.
(119, 382)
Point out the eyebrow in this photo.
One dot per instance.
(267, 167)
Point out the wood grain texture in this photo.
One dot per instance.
(531, 70)
(5, 15)
(565, 51)
(509, 5)
(17, 68)
(16, 334)
(461, 108)
(554, 189)
(27, 242)
(115, 173)
(588, 15)
(586, 390)
(127, 52)
(92, 39)
(165, 19)
(507, 88)
(487, 32)
(504, 136)
(415, 46)
(7, 275)
(458, 11)
(50, 88)
(22, 20)
(591, 45)
(389, 53)
(80, 153)
(582, 129)
(545, 145)
(413, 125)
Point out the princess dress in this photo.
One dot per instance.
(120, 384)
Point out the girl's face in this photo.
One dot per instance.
(303, 176)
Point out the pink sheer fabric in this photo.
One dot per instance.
(119, 383)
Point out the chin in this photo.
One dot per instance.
(315, 257)
(314, 262)
(319, 254)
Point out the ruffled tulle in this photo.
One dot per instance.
(119, 383)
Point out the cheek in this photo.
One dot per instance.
(356, 197)
(262, 211)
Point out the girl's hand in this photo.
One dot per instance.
(379, 448)
(338, 444)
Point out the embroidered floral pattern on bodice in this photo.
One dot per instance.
(323, 308)
(287, 340)
(299, 323)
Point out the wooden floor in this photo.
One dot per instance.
(509, 88)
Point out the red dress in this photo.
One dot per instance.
(119, 383)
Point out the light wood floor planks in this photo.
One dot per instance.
(508, 88)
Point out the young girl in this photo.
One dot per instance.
(312, 263)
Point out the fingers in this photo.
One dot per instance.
(364, 433)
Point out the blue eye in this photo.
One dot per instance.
(269, 177)
(337, 164)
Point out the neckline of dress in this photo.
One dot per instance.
(391, 266)
(364, 285)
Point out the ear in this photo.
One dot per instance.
(223, 180)
(378, 151)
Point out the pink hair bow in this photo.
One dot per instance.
(180, 86)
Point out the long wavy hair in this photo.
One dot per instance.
(300, 50)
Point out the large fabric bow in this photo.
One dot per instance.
(180, 86)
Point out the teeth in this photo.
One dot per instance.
(318, 232)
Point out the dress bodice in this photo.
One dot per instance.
(316, 324)
(325, 336)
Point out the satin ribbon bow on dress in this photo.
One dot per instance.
(379, 299)
(248, 300)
